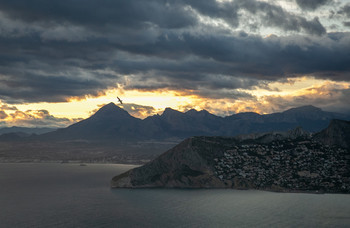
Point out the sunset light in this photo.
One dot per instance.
(225, 57)
(117, 113)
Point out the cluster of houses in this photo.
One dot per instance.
(297, 165)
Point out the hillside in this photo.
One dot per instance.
(293, 161)
(337, 133)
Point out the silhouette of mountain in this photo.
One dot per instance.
(190, 123)
(111, 134)
(310, 118)
(113, 123)
(108, 123)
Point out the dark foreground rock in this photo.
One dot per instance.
(293, 161)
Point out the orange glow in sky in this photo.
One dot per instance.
(142, 103)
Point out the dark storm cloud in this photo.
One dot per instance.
(275, 16)
(54, 50)
(345, 10)
(101, 15)
(31, 70)
(251, 56)
(269, 15)
(97, 14)
(51, 88)
(311, 4)
(203, 85)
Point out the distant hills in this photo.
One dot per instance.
(19, 133)
(113, 123)
(292, 161)
(113, 135)
(26, 130)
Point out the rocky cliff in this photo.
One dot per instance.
(337, 133)
(187, 165)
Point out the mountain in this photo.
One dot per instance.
(293, 161)
(310, 118)
(26, 130)
(113, 135)
(337, 133)
(177, 124)
(108, 123)
(186, 165)
(112, 123)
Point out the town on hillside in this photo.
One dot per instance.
(288, 165)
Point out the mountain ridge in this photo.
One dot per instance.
(27, 130)
(111, 122)
(113, 135)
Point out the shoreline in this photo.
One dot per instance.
(74, 162)
(315, 192)
(68, 162)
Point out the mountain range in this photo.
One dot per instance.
(113, 135)
(112, 123)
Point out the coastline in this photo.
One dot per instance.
(178, 188)
(75, 162)
(316, 192)
(139, 163)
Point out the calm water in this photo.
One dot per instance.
(69, 195)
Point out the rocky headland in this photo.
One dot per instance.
(291, 161)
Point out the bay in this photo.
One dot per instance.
(70, 195)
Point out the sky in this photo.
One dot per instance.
(62, 60)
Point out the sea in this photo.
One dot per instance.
(75, 195)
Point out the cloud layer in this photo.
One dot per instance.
(57, 50)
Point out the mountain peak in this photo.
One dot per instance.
(168, 109)
(170, 112)
(110, 105)
(202, 114)
(306, 108)
(110, 110)
(192, 111)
